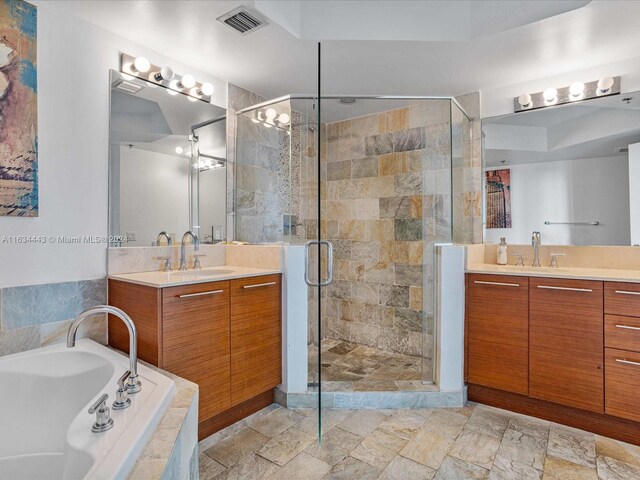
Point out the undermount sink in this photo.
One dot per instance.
(201, 273)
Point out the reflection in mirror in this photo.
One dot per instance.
(570, 172)
(211, 149)
(153, 186)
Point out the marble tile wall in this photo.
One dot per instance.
(386, 199)
(238, 98)
(39, 315)
(146, 259)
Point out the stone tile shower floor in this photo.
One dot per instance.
(353, 367)
(472, 443)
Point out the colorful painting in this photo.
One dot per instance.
(18, 110)
(498, 191)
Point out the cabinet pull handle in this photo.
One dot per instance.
(480, 282)
(628, 327)
(626, 292)
(260, 285)
(628, 362)
(548, 287)
(200, 294)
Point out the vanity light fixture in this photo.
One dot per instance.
(271, 113)
(186, 84)
(524, 100)
(141, 64)
(577, 91)
(604, 85)
(165, 73)
(206, 89)
(550, 94)
(187, 81)
(284, 118)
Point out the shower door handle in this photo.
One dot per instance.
(307, 279)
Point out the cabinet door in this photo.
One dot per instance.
(566, 342)
(622, 384)
(497, 330)
(256, 349)
(196, 341)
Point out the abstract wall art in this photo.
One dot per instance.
(18, 110)
(498, 191)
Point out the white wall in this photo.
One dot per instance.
(565, 191)
(154, 195)
(74, 58)
(634, 192)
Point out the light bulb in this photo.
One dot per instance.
(141, 64)
(524, 100)
(605, 84)
(576, 89)
(550, 94)
(187, 81)
(206, 89)
(165, 73)
(173, 87)
(271, 113)
(284, 118)
(179, 150)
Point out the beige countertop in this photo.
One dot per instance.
(175, 278)
(603, 274)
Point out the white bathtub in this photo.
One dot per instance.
(45, 430)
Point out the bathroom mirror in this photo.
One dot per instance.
(167, 165)
(571, 172)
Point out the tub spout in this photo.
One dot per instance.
(133, 384)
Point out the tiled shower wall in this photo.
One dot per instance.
(39, 315)
(386, 197)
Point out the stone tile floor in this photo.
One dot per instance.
(476, 442)
(353, 367)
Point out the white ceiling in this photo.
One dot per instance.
(273, 61)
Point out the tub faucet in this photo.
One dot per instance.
(535, 243)
(196, 246)
(133, 384)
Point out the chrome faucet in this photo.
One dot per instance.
(196, 246)
(535, 243)
(165, 235)
(133, 384)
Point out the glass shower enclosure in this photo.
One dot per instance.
(387, 179)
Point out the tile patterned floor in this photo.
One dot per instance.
(474, 443)
(353, 367)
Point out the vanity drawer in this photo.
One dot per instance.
(622, 299)
(622, 382)
(622, 332)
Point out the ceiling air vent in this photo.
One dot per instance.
(243, 21)
(127, 86)
(622, 150)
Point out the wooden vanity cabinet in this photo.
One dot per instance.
(256, 346)
(566, 342)
(196, 340)
(583, 350)
(622, 349)
(497, 332)
(225, 336)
